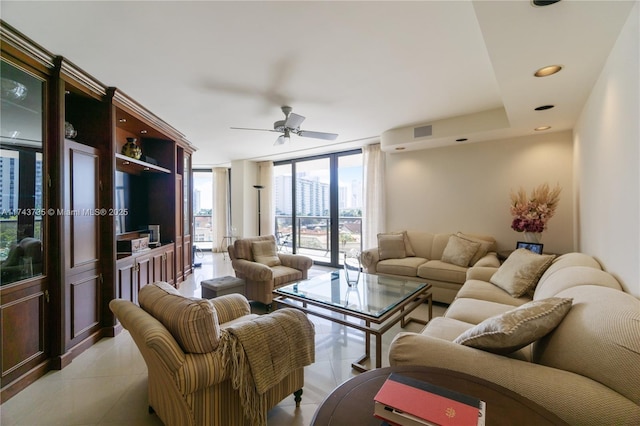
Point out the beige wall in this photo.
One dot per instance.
(607, 139)
(466, 187)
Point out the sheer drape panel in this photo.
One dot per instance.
(374, 212)
(267, 211)
(220, 211)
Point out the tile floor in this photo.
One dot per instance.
(107, 384)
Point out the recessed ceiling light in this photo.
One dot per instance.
(400, 148)
(547, 71)
(538, 129)
(144, 132)
(462, 140)
(543, 107)
(123, 120)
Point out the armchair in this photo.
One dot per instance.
(193, 371)
(258, 262)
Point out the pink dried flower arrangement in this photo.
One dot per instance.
(532, 214)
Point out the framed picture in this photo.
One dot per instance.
(534, 247)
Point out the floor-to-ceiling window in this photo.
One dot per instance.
(203, 209)
(318, 203)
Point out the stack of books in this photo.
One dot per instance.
(409, 402)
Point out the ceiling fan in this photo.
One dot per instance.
(291, 124)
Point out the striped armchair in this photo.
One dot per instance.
(180, 341)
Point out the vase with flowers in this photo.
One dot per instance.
(531, 213)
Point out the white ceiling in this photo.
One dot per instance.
(353, 68)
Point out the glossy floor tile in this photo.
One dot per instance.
(107, 384)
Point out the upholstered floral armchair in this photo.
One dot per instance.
(258, 262)
(212, 362)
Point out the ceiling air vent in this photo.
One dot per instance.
(422, 131)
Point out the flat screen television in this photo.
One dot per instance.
(130, 208)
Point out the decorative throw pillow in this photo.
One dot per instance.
(265, 252)
(515, 329)
(192, 322)
(521, 271)
(391, 246)
(482, 250)
(459, 251)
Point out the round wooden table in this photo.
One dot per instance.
(352, 402)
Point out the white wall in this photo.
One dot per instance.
(607, 137)
(466, 187)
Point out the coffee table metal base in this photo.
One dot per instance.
(386, 322)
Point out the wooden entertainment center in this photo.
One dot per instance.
(49, 317)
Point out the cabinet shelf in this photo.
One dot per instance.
(131, 165)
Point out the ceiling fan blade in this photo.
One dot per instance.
(293, 121)
(318, 135)
(248, 128)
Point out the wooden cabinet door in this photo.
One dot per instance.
(144, 270)
(81, 224)
(126, 285)
(169, 265)
(158, 261)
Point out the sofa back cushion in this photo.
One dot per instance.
(569, 259)
(572, 276)
(599, 338)
(192, 322)
(421, 243)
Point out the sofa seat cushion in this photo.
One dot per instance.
(284, 275)
(599, 338)
(442, 271)
(475, 311)
(482, 290)
(518, 327)
(407, 267)
(192, 322)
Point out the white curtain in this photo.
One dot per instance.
(267, 209)
(220, 219)
(374, 212)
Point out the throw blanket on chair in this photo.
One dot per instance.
(264, 351)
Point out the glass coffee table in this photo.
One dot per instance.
(373, 306)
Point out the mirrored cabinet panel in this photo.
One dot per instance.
(21, 174)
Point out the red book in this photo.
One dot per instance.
(419, 400)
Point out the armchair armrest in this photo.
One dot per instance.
(230, 307)
(489, 259)
(482, 273)
(201, 371)
(296, 261)
(252, 270)
(369, 259)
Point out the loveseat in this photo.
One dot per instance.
(201, 371)
(439, 259)
(571, 343)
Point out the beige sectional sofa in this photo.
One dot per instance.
(586, 369)
(420, 258)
